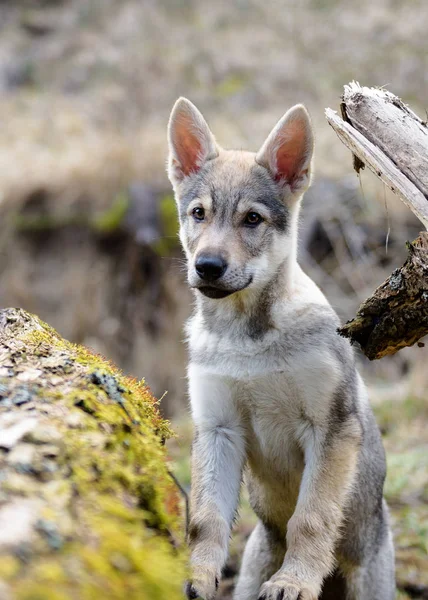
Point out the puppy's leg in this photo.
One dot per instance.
(217, 464)
(330, 468)
(382, 576)
(374, 577)
(262, 558)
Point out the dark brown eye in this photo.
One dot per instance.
(253, 219)
(198, 213)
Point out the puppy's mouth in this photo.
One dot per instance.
(211, 291)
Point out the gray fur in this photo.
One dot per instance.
(274, 390)
(317, 327)
(227, 187)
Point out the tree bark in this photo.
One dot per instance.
(87, 506)
(387, 136)
(396, 315)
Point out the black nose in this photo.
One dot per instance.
(210, 267)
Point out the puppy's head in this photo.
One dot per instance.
(237, 210)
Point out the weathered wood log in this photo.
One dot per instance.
(87, 506)
(383, 133)
(381, 165)
(396, 315)
(389, 138)
(388, 123)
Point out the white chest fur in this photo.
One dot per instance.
(270, 395)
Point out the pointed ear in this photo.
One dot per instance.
(190, 141)
(287, 152)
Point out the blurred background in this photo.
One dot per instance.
(88, 233)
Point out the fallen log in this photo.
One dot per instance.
(396, 315)
(87, 505)
(384, 134)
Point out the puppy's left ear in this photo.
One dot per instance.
(287, 152)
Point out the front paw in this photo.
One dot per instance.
(286, 588)
(204, 585)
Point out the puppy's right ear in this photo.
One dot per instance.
(190, 141)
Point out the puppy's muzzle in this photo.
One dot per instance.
(210, 267)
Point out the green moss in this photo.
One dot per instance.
(9, 567)
(110, 527)
(38, 591)
(168, 215)
(111, 219)
(105, 222)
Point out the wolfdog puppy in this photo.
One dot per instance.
(275, 394)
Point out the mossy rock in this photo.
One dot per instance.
(88, 508)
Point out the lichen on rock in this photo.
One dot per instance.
(87, 507)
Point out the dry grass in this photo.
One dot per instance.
(89, 98)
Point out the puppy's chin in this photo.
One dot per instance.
(213, 292)
(210, 291)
